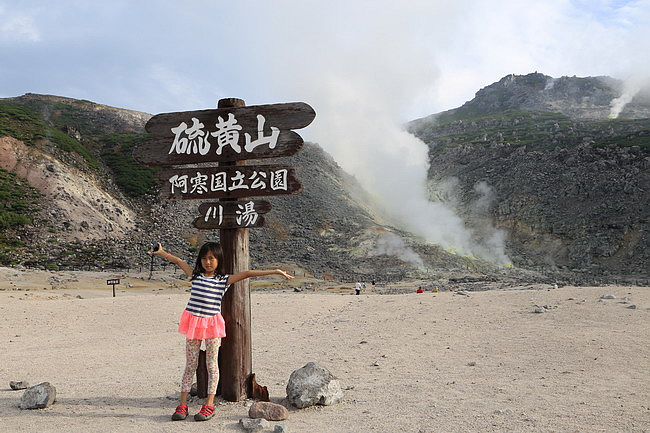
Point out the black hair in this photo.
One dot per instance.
(215, 248)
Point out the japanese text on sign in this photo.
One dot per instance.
(246, 215)
(220, 181)
(194, 139)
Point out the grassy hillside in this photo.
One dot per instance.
(38, 122)
(17, 205)
(132, 177)
(21, 122)
(537, 130)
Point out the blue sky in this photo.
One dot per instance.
(366, 66)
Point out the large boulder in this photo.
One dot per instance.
(313, 384)
(38, 396)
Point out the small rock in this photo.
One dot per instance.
(631, 307)
(471, 364)
(16, 385)
(462, 292)
(280, 428)
(38, 396)
(608, 297)
(253, 425)
(269, 411)
(539, 310)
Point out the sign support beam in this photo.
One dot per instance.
(236, 354)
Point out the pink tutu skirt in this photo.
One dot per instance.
(201, 328)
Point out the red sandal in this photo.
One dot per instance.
(205, 413)
(180, 413)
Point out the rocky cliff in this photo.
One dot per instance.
(569, 184)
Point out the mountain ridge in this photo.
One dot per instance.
(489, 147)
(571, 187)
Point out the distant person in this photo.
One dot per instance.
(419, 290)
(202, 320)
(357, 287)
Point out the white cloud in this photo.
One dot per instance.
(18, 26)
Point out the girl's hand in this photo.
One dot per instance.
(160, 251)
(284, 274)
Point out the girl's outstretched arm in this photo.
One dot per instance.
(173, 259)
(248, 274)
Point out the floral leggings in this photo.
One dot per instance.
(192, 348)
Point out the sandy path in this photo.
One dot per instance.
(418, 363)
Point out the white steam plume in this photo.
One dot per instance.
(358, 123)
(392, 245)
(631, 87)
(360, 88)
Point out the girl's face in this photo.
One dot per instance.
(209, 262)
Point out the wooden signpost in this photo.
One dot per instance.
(113, 282)
(229, 135)
(225, 134)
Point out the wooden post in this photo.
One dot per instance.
(235, 356)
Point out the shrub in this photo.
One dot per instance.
(132, 177)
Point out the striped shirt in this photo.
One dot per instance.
(206, 294)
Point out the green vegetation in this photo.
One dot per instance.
(16, 200)
(17, 204)
(77, 113)
(36, 121)
(537, 130)
(52, 267)
(21, 122)
(132, 177)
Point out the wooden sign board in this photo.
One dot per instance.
(224, 134)
(228, 182)
(232, 214)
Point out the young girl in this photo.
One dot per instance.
(202, 318)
